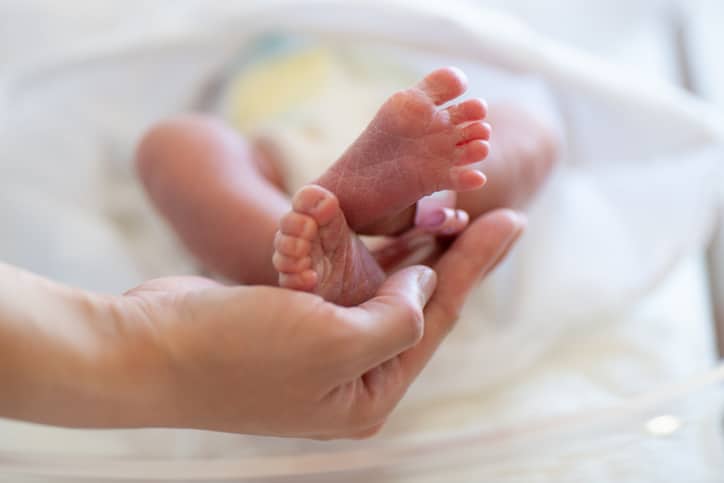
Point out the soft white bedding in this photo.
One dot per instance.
(605, 299)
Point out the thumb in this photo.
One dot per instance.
(392, 321)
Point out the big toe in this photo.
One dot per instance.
(443, 85)
(317, 202)
(323, 206)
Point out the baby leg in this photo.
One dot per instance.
(216, 193)
(212, 189)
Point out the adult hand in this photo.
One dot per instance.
(187, 352)
(268, 361)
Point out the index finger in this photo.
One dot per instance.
(473, 255)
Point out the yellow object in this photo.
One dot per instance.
(277, 85)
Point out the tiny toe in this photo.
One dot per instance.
(285, 264)
(469, 110)
(291, 246)
(474, 131)
(305, 280)
(308, 198)
(298, 225)
(471, 152)
(316, 202)
(467, 179)
(443, 85)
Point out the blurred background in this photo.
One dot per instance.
(671, 40)
(71, 111)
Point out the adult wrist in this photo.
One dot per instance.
(63, 355)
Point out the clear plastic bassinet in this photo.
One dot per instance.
(625, 441)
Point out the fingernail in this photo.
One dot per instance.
(427, 280)
(432, 219)
(521, 219)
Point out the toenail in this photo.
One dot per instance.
(318, 203)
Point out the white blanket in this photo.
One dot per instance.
(582, 316)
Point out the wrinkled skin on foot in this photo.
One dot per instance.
(317, 252)
(411, 148)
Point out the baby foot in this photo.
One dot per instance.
(410, 149)
(315, 251)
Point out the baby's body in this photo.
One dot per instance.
(193, 166)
